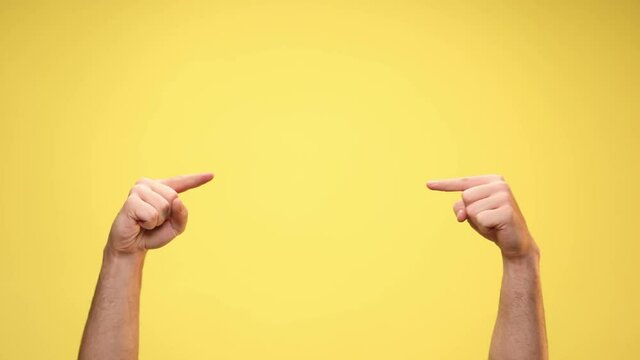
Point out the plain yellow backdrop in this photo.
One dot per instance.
(322, 121)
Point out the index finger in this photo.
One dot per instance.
(463, 183)
(185, 182)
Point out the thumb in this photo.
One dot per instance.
(179, 216)
(174, 226)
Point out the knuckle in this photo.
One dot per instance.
(502, 188)
(165, 207)
(495, 178)
(467, 195)
(131, 200)
(172, 194)
(154, 215)
(503, 196)
(166, 191)
(137, 188)
(143, 180)
(472, 211)
(502, 185)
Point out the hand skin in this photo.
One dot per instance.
(150, 218)
(153, 215)
(488, 205)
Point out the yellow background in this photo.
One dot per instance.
(322, 122)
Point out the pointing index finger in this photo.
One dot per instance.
(185, 182)
(463, 183)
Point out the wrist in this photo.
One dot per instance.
(111, 256)
(530, 259)
(527, 249)
(121, 275)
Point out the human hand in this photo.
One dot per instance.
(490, 208)
(153, 214)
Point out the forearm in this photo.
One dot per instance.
(111, 331)
(519, 331)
